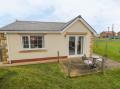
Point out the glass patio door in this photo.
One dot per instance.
(72, 45)
(75, 45)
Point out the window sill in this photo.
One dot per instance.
(33, 50)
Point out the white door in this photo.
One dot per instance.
(75, 45)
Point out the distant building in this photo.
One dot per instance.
(106, 34)
(118, 34)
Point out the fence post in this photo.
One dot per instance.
(102, 65)
(69, 68)
(58, 56)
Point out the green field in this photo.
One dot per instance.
(113, 48)
(49, 76)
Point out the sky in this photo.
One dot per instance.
(100, 14)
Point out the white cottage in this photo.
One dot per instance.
(35, 41)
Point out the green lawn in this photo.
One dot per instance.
(49, 76)
(113, 48)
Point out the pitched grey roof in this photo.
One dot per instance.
(33, 26)
(42, 26)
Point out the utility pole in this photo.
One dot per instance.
(108, 29)
(106, 45)
(113, 30)
(108, 32)
(105, 55)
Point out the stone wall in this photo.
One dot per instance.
(91, 44)
(3, 48)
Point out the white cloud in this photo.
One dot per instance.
(99, 13)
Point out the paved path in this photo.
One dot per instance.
(110, 63)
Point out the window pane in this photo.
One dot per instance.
(40, 41)
(26, 46)
(25, 42)
(33, 41)
(36, 41)
(80, 45)
(71, 45)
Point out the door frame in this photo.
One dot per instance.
(76, 40)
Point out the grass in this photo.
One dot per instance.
(49, 76)
(113, 46)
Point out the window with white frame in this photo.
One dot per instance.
(33, 41)
(25, 41)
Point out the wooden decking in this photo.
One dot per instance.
(75, 67)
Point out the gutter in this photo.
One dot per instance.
(30, 32)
